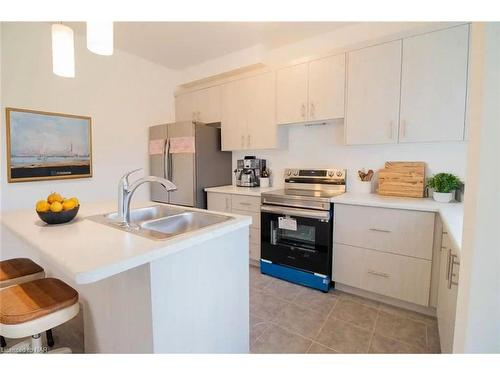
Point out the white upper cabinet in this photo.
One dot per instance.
(433, 87)
(202, 105)
(291, 94)
(261, 111)
(311, 91)
(327, 88)
(373, 92)
(248, 113)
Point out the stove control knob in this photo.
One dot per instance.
(295, 173)
(339, 174)
(288, 172)
(330, 173)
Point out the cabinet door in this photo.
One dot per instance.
(233, 125)
(261, 111)
(433, 86)
(326, 88)
(447, 301)
(291, 94)
(185, 107)
(208, 103)
(219, 202)
(373, 91)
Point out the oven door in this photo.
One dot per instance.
(298, 238)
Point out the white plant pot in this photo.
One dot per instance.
(443, 197)
(264, 182)
(363, 187)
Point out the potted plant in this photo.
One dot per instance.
(444, 185)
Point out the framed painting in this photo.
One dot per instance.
(47, 146)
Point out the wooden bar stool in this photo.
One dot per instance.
(33, 307)
(16, 271)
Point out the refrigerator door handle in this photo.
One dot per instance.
(166, 149)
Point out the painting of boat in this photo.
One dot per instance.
(47, 145)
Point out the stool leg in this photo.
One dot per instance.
(3, 344)
(50, 338)
(36, 343)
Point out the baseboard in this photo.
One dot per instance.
(431, 311)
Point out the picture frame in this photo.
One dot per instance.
(47, 145)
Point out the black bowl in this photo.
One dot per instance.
(58, 217)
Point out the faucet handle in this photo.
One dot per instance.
(124, 178)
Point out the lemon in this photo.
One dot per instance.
(74, 200)
(42, 206)
(68, 204)
(54, 197)
(56, 206)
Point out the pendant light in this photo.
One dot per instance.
(100, 37)
(63, 51)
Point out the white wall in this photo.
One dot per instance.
(123, 94)
(477, 325)
(322, 147)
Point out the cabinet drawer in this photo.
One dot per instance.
(255, 217)
(254, 251)
(396, 276)
(255, 236)
(245, 203)
(219, 202)
(391, 230)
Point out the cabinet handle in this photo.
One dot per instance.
(248, 140)
(227, 203)
(448, 265)
(312, 110)
(242, 141)
(380, 230)
(376, 273)
(452, 264)
(303, 111)
(403, 129)
(245, 204)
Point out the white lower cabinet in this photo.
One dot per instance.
(447, 294)
(384, 251)
(396, 276)
(240, 205)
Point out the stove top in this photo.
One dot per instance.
(308, 188)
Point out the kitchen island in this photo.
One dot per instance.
(185, 294)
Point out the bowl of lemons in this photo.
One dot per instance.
(56, 209)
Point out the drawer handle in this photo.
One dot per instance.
(376, 273)
(380, 230)
(245, 204)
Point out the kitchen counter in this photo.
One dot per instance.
(87, 251)
(452, 214)
(232, 189)
(140, 295)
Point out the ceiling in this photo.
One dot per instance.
(178, 45)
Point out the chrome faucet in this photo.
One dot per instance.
(125, 192)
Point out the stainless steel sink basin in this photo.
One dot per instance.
(182, 223)
(161, 222)
(148, 213)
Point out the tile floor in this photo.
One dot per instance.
(288, 318)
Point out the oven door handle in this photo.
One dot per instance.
(312, 214)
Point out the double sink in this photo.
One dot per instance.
(161, 222)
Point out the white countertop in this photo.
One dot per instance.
(452, 214)
(88, 251)
(232, 189)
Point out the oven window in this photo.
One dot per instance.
(304, 236)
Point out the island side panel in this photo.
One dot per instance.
(117, 313)
(200, 297)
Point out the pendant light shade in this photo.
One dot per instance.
(100, 37)
(63, 51)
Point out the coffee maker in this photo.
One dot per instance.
(248, 171)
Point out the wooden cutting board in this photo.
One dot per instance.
(402, 179)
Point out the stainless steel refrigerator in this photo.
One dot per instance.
(190, 171)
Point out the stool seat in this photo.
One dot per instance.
(28, 301)
(18, 270)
